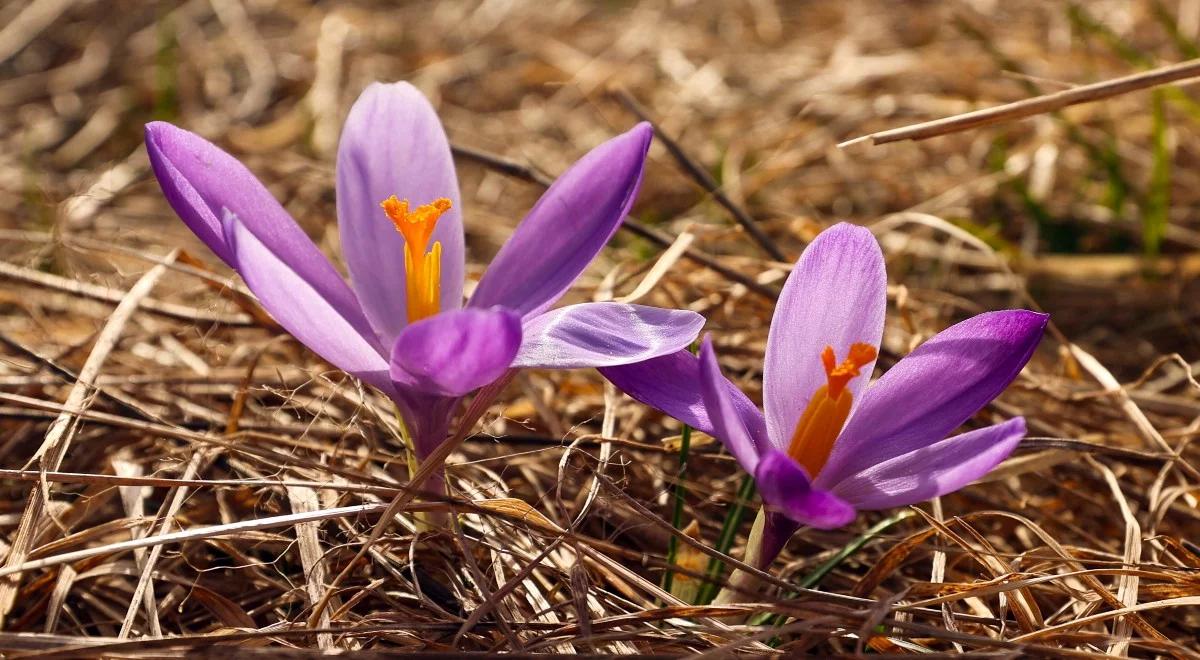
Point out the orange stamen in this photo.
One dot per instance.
(423, 268)
(860, 356)
(827, 410)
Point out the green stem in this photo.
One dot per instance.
(820, 572)
(680, 497)
(733, 522)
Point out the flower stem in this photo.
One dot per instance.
(679, 495)
(733, 521)
(435, 485)
(741, 583)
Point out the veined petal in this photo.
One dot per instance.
(203, 183)
(784, 487)
(303, 310)
(728, 425)
(836, 296)
(567, 228)
(671, 383)
(452, 353)
(393, 144)
(604, 334)
(934, 389)
(934, 470)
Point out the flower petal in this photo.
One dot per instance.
(452, 353)
(671, 383)
(567, 228)
(934, 389)
(836, 296)
(393, 144)
(203, 184)
(302, 309)
(728, 425)
(605, 334)
(784, 486)
(936, 469)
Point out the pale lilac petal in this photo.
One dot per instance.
(784, 487)
(302, 310)
(203, 183)
(671, 383)
(836, 296)
(934, 470)
(934, 389)
(567, 228)
(452, 353)
(604, 334)
(393, 144)
(728, 425)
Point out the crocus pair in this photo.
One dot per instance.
(829, 444)
(402, 326)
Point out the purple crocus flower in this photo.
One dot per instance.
(829, 444)
(402, 326)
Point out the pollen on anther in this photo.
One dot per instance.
(838, 375)
(416, 225)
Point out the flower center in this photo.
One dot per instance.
(423, 268)
(823, 419)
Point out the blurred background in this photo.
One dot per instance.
(1089, 214)
(757, 92)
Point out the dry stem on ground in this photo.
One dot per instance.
(177, 472)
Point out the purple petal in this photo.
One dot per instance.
(567, 228)
(302, 310)
(203, 183)
(671, 383)
(728, 425)
(934, 389)
(778, 529)
(393, 144)
(936, 469)
(452, 353)
(605, 334)
(785, 486)
(427, 418)
(836, 296)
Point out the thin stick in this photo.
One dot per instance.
(662, 239)
(58, 437)
(1034, 106)
(208, 532)
(435, 461)
(703, 178)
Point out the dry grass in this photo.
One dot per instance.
(178, 473)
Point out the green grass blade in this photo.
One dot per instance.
(733, 522)
(679, 495)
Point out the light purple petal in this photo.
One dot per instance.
(203, 183)
(567, 228)
(933, 470)
(836, 296)
(671, 383)
(728, 425)
(393, 144)
(934, 389)
(784, 486)
(452, 353)
(302, 309)
(605, 334)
